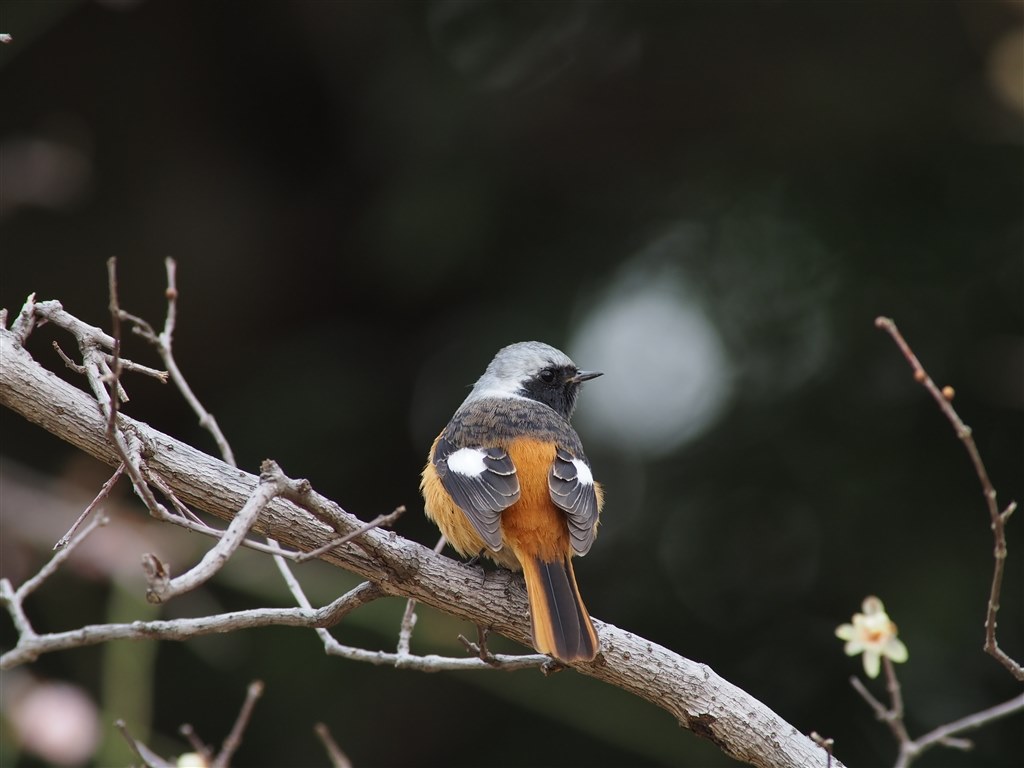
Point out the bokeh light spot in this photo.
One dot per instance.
(668, 377)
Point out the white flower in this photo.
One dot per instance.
(874, 634)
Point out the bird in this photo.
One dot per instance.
(508, 478)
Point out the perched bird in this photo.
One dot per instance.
(508, 478)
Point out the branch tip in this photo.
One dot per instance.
(334, 753)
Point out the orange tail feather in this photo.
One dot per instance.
(561, 624)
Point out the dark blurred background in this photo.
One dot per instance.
(709, 202)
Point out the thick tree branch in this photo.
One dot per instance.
(700, 700)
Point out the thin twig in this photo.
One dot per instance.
(406, 628)
(880, 711)
(25, 321)
(145, 370)
(79, 369)
(104, 492)
(177, 503)
(888, 715)
(198, 746)
(164, 345)
(334, 753)
(31, 646)
(895, 712)
(367, 592)
(162, 588)
(998, 519)
(944, 734)
(300, 492)
(480, 646)
(234, 739)
(115, 365)
(380, 521)
(144, 753)
(826, 744)
(59, 556)
(190, 521)
(409, 616)
(27, 648)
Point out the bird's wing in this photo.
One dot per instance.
(573, 490)
(481, 481)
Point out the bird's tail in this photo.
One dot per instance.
(561, 624)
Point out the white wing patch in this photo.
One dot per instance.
(583, 473)
(467, 461)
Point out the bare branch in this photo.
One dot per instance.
(234, 739)
(162, 589)
(71, 364)
(893, 714)
(482, 652)
(943, 735)
(197, 745)
(58, 558)
(944, 397)
(144, 753)
(381, 521)
(402, 658)
(337, 757)
(182, 509)
(114, 366)
(200, 750)
(31, 646)
(406, 627)
(145, 370)
(24, 322)
(896, 712)
(104, 492)
(409, 616)
(163, 343)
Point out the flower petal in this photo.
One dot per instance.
(853, 647)
(845, 632)
(872, 606)
(896, 650)
(872, 662)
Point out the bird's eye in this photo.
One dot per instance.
(547, 375)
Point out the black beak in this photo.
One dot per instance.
(582, 376)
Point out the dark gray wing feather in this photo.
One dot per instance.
(578, 500)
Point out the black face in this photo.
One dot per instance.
(557, 387)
